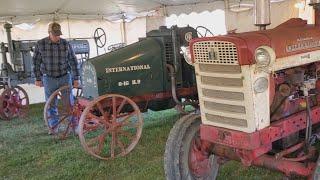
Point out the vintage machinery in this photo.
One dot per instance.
(149, 74)
(18, 69)
(259, 103)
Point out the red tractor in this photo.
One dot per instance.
(259, 103)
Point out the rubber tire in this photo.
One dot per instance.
(176, 163)
(170, 164)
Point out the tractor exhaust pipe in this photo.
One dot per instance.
(173, 84)
(262, 13)
(8, 27)
(316, 7)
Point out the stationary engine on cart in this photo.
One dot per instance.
(259, 102)
(17, 68)
(152, 73)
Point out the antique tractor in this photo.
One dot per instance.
(14, 100)
(259, 103)
(149, 74)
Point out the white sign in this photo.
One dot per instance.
(127, 83)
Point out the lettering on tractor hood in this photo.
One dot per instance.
(305, 43)
(128, 68)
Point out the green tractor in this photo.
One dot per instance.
(154, 73)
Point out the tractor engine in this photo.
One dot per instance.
(150, 70)
(286, 94)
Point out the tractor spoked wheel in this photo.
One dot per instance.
(186, 155)
(62, 112)
(14, 102)
(110, 126)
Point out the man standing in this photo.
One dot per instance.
(55, 65)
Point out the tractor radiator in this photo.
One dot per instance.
(224, 94)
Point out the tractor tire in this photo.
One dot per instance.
(180, 144)
(170, 164)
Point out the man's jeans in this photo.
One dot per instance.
(50, 85)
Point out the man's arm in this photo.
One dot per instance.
(37, 61)
(73, 63)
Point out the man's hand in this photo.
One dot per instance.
(38, 83)
(76, 83)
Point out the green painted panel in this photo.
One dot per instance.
(136, 69)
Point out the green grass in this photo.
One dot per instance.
(27, 152)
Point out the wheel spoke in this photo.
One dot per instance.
(114, 109)
(65, 133)
(104, 114)
(113, 143)
(121, 145)
(121, 106)
(126, 120)
(101, 142)
(100, 139)
(100, 119)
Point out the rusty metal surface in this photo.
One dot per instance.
(68, 114)
(110, 126)
(285, 166)
(14, 102)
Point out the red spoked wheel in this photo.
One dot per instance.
(14, 102)
(110, 126)
(64, 109)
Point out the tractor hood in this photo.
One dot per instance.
(292, 37)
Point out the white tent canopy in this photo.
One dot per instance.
(19, 11)
(26, 10)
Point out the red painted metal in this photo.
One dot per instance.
(252, 145)
(294, 33)
(317, 16)
(267, 161)
(14, 102)
(181, 92)
(289, 150)
(287, 167)
(199, 161)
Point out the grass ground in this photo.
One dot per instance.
(27, 152)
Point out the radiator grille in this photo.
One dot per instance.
(215, 52)
(221, 86)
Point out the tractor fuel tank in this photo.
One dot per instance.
(136, 69)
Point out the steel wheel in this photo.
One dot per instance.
(110, 126)
(14, 102)
(67, 111)
(186, 156)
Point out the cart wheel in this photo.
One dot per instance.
(186, 156)
(14, 102)
(66, 112)
(110, 126)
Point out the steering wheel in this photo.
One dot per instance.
(100, 37)
(201, 29)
